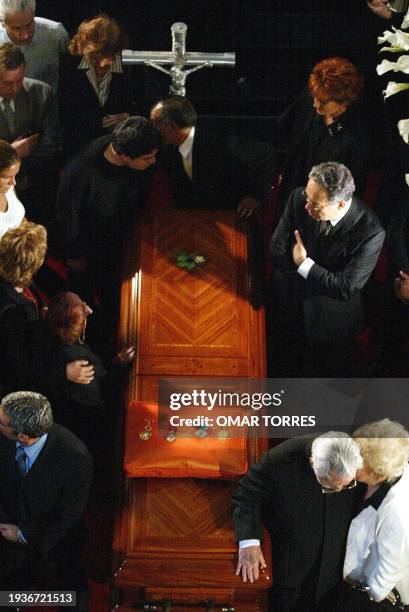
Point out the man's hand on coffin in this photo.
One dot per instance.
(126, 355)
(250, 560)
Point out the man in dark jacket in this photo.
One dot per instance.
(203, 174)
(44, 487)
(290, 489)
(324, 250)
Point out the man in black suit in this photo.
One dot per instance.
(203, 174)
(324, 250)
(46, 475)
(290, 490)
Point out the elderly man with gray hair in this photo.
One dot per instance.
(324, 250)
(302, 489)
(46, 475)
(42, 41)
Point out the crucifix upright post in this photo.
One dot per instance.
(178, 59)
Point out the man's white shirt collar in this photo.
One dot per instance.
(12, 104)
(185, 149)
(344, 212)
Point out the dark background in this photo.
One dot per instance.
(276, 43)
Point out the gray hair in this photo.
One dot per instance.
(336, 179)
(384, 446)
(29, 412)
(335, 453)
(20, 6)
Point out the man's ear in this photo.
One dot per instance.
(23, 439)
(341, 204)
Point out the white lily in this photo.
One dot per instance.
(394, 88)
(397, 39)
(405, 22)
(407, 179)
(388, 37)
(402, 40)
(401, 65)
(403, 127)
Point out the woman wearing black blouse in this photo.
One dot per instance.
(96, 91)
(325, 124)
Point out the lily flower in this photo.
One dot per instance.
(403, 127)
(394, 88)
(401, 65)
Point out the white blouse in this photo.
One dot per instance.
(14, 214)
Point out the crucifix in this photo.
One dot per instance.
(177, 59)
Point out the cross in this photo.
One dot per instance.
(177, 59)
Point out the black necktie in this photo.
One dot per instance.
(325, 228)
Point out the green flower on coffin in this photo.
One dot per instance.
(190, 261)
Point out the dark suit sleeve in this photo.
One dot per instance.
(252, 490)
(71, 210)
(342, 285)
(50, 141)
(51, 527)
(282, 241)
(397, 240)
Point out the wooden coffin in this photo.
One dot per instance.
(173, 539)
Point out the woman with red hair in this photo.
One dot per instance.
(96, 91)
(325, 124)
(58, 346)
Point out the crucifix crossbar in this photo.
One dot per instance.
(178, 59)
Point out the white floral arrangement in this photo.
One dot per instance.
(398, 42)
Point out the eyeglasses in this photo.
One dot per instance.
(315, 207)
(348, 487)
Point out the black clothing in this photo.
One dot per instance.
(394, 322)
(326, 307)
(219, 179)
(80, 110)
(310, 141)
(96, 203)
(16, 312)
(308, 529)
(46, 504)
(79, 407)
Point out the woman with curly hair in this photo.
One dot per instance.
(377, 554)
(325, 124)
(22, 253)
(96, 91)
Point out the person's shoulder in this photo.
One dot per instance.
(366, 214)
(34, 86)
(67, 445)
(293, 450)
(56, 28)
